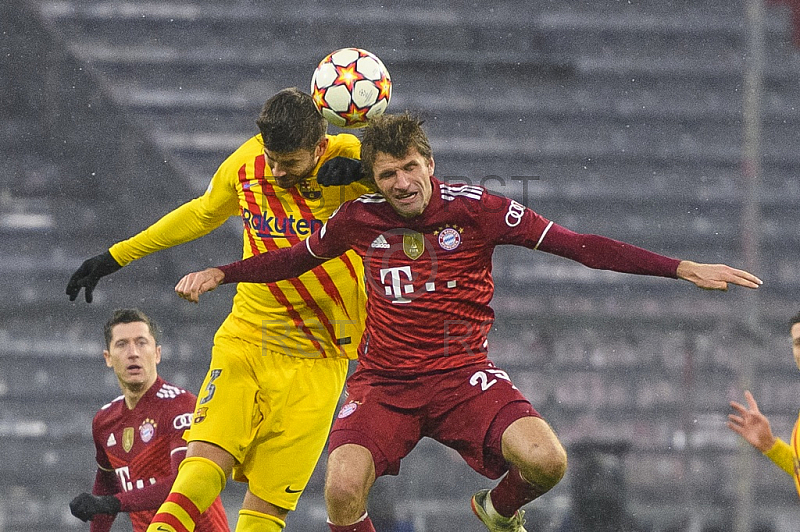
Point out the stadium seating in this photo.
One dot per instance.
(617, 118)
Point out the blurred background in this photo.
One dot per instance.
(673, 125)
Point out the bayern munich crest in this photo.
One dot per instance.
(449, 239)
(147, 430)
(347, 409)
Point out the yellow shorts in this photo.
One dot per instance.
(271, 411)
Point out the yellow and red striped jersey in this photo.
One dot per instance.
(320, 313)
(787, 455)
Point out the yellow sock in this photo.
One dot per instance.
(198, 484)
(252, 521)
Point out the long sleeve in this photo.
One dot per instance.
(285, 263)
(191, 220)
(188, 222)
(105, 483)
(150, 497)
(604, 253)
(782, 455)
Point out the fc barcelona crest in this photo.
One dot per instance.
(310, 189)
(127, 438)
(413, 245)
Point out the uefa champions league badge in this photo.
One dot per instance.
(347, 409)
(449, 238)
(147, 430)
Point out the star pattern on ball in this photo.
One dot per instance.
(318, 95)
(354, 115)
(348, 75)
(385, 87)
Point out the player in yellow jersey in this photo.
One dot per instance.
(280, 359)
(754, 426)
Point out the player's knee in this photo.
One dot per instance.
(344, 490)
(531, 445)
(545, 466)
(555, 465)
(345, 500)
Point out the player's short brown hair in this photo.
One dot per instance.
(795, 319)
(289, 122)
(130, 315)
(393, 135)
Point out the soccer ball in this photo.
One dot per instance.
(351, 86)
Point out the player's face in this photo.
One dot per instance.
(133, 355)
(404, 182)
(796, 343)
(289, 168)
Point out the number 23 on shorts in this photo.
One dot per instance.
(488, 378)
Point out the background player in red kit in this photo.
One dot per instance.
(139, 435)
(423, 368)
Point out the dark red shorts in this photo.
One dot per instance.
(467, 409)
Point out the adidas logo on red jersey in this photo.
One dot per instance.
(380, 243)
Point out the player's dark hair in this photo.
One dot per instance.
(393, 135)
(289, 122)
(795, 319)
(130, 315)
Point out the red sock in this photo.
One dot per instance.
(362, 525)
(513, 492)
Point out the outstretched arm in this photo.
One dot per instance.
(715, 276)
(285, 263)
(604, 253)
(189, 221)
(193, 285)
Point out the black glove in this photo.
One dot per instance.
(89, 274)
(339, 171)
(85, 506)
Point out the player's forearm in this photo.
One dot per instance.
(604, 253)
(782, 455)
(146, 498)
(105, 482)
(102, 523)
(285, 263)
(186, 223)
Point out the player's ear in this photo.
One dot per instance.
(431, 165)
(322, 147)
(158, 354)
(107, 356)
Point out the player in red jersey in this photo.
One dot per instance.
(423, 368)
(139, 435)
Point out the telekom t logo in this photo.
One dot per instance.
(124, 475)
(397, 288)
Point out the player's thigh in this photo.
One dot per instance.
(297, 406)
(384, 416)
(226, 408)
(472, 407)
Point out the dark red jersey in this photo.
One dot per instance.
(143, 447)
(429, 278)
